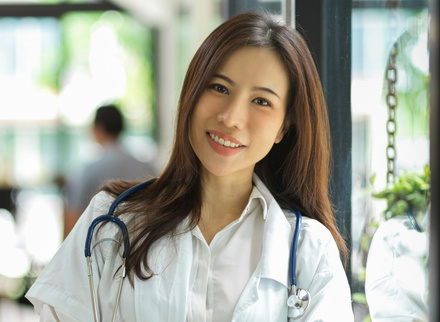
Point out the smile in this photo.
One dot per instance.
(224, 142)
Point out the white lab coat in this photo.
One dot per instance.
(63, 285)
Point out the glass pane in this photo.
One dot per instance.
(390, 67)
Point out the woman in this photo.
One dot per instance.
(210, 238)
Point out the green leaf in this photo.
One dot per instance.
(381, 194)
(400, 207)
(359, 298)
(417, 200)
(373, 179)
(427, 171)
(418, 181)
(374, 224)
(367, 318)
(362, 274)
(410, 192)
(365, 243)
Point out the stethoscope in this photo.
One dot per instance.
(298, 299)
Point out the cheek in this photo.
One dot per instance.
(198, 111)
(195, 129)
(191, 132)
(269, 128)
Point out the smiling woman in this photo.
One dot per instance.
(211, 237)
(240, 106)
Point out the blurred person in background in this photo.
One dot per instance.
(114, 163)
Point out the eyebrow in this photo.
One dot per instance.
(231, 82)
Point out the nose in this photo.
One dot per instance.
(233, 114)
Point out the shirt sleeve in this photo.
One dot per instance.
(49, 314)
(62, 291)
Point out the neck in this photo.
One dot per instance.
(223, 202)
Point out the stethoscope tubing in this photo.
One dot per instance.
(109, 217)
(293, 248)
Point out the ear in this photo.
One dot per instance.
(283, 130)
(279, 136)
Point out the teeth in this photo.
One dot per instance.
(223, 141)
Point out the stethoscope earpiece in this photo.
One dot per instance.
(297, 302)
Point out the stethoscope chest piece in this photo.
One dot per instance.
(298, 301)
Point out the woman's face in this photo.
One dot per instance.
(240, 114)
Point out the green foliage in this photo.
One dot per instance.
(359, 298)
(413, 78)
(362, 274)
(134, 53)
(367, 318)
(410, 193)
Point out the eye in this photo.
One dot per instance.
(219, 88)
(261, 101)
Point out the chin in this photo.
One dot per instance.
(223, 172)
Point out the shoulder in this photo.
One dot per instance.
(99, 205)
(310, 228)
(318, 254)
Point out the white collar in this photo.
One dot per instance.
(255, 196)
(274, 262)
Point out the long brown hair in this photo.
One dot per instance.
(296, 171)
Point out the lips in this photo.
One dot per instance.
(221, 138)
(223, 143)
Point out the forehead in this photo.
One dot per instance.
(246, 53)
(258, 66)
